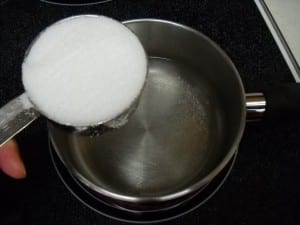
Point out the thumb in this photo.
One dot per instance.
(10, 160)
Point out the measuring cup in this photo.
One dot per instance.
(21, 111)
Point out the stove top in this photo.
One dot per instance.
(263, 186)
(75, 3)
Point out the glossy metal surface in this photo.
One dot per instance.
(185, 130)
(256, 106)
(15, 116)
(124, 215)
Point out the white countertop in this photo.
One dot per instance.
(283, 20)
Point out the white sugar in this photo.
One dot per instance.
(84, 70)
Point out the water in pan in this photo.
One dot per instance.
(166, 142)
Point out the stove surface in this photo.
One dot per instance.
(264, 185)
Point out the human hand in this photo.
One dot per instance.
(10, 160)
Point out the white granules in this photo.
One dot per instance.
(84, 70)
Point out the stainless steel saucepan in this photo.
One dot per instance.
(187, 127)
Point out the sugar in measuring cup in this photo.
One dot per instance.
(84, 73)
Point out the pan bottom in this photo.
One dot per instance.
(148, 217)
(169, 143)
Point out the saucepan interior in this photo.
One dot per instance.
(185, 130)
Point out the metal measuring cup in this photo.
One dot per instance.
(21, 111)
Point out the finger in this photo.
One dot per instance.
(10, 160)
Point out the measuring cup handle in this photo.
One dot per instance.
(15, 116)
